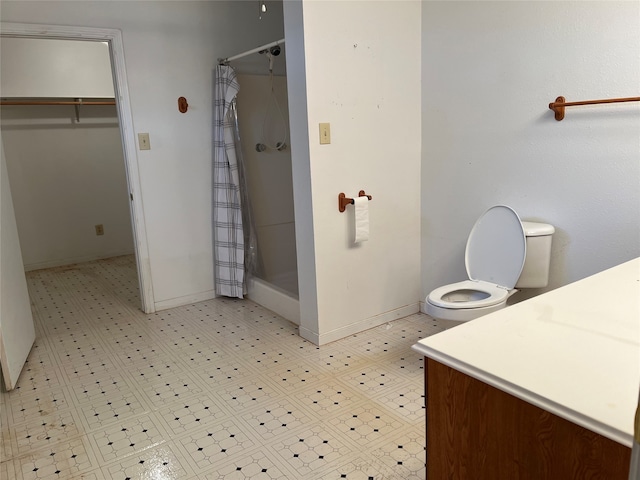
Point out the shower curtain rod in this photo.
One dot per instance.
(249, 52)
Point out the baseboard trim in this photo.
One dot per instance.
(366, 324)
(73, 260)
(185, 300)
(309, 335)
(423, 306)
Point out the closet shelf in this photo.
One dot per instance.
(76, 103)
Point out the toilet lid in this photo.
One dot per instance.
(496, 247)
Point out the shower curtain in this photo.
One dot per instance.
(229, 245)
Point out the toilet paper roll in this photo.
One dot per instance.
(361, 206)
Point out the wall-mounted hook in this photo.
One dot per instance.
(183, 106)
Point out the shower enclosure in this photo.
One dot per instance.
(263, 121)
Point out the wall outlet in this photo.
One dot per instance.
(100, 229)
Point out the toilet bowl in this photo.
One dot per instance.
(497, 261)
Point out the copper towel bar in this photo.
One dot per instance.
(343, 201)
(559, 105)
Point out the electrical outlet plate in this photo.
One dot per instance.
(100, 229)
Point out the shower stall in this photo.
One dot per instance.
(263, 141)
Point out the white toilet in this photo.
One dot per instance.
(502, 254)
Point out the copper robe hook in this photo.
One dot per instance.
(183, 106)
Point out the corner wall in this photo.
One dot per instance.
(362, 75)
(489, 71)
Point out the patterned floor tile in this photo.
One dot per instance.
(256, 465)
(140, 354)
(328, 397)
(45, 431)
(335, 357)
(89, 390)
(91, 367)
(7, 469)
(112, 409)
(217, 444)
(154, 370)
(79, 354)
(62, 460)
(275, 418)
(406, 400)
(161, 391)
(126, 438)
(311, 450)
(366, 425)
(7, 440)
(407, 363)
(297, 376)
(154, 463)
(192, 413)
(372, 379)
(92, 475)
(218, 389)
(358, 468)
(37, 381)
(23, 408)
(212, 376)
(405, 455)
(247, 393)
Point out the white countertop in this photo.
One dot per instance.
(574, 351)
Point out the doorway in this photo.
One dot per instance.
(114, 41)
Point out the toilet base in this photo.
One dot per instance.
(461, 314)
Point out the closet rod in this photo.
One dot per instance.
(249, 52)
(24, 102)
(559, 104)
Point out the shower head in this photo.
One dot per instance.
(275, 51)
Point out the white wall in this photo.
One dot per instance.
(170, 50)
(39, 67)
(269, 174)
(361, 74)
(490, 69)
(66, 177)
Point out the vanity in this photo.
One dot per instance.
(544, 389)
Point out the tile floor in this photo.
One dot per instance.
(218, 389)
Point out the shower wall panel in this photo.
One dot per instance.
(269, 180)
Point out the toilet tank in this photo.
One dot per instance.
(535, 272)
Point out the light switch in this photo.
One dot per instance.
(143, 141)
(325, 133)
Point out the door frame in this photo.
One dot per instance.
(113, 38)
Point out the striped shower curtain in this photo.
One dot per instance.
(227, 212)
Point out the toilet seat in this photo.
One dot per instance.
(494, 258)
(495, 294)
(496, 247)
